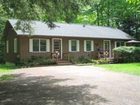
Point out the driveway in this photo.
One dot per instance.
(70, 85)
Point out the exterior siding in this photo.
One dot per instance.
(24, 49)
(25, 54)
(9, 36)
(23, 46)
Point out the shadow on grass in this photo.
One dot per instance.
(46, 91)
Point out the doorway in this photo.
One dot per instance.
(57, 47)
(107, 48)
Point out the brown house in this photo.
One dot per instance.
(65, 40)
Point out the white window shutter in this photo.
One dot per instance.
(7, 46)
(69, 45)
(15, 45)
(48, 45)
(115, 44)
(92, 45)
(30, 45)
(78, 45)
(85, 49)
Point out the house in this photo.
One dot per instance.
(67, 40)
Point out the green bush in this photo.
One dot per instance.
(83, 59)
(37, 61)
(126, 54)
(102, 61)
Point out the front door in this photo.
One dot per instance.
(57, 46)
(107, 48)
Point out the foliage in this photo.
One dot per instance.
(102, 61)
(122, 14)
(130, 68)
(83, 59)
(7, 67)
(6, 77)
(37, 61)
(127, 54)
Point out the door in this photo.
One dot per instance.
(57, 47)
(107, 48)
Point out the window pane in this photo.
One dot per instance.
(88, 45)
(57, 45)
(35, 45)
(42, 45)
(122, 43)
(118, 44)
(73, 45)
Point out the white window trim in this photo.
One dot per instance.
(77, 45)
(119, 42)
(31, 45)
(7, 46)
(92, 45)
(15, 45)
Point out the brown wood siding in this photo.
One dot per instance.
(98, 44)
(24, 49)
(10, 34)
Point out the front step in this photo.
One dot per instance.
(63, 62)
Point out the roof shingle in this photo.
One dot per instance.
(73, 30)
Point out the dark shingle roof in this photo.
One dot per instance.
(73, 30)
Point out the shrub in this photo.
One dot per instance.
(37, 61)
(126, 54)
(83, 59)
(72, 59)
(102, 61)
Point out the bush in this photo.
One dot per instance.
(37, 61)
(126, 54)
(83, 59)
(102, 61)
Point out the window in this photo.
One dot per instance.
(35, 44)
(39, 45)
(15, 45)
(43, 45)
(88, 45)
(73, 45)
(7, 46)
(119, 43)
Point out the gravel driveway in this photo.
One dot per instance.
(70, 85)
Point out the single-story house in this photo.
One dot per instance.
(68, 40)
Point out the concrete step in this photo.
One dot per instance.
(63, 62)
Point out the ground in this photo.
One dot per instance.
(70, 85)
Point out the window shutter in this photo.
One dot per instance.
(85, 49)
(30, 45)
(69, 45)
(15, 45)
(115, 44)
(78, 45)
(48, 45)
(92, 45)
(7, 46)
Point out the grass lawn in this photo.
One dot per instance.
(8, 67)
(130, 68)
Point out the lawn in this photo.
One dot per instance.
(8, 67)
(130, 68)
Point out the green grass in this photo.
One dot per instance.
(6, 77)
(8, 67)
(130, 68)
